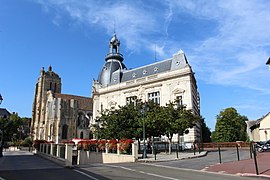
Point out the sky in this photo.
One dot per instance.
(227, 43)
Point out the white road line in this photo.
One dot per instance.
(84, 174)
(2, 178)
(142, 172)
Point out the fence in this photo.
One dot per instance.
(215, 145)
(71, 155)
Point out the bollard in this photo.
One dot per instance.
(237, 150)
(219, 154)
(155, 153)
(177, 151)
(255, 160)
(250, 149)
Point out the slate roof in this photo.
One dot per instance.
(151, 69)
(85, 103)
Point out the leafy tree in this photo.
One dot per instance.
(206, 133)
(154, 121)
(177, 120)
(119, 123)
(230, 126)
(127, 121)
(12, 128)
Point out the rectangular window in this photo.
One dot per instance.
(179, 101)
(154, 96)
(101, 107)
(131, 99)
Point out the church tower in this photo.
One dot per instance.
(47, 81)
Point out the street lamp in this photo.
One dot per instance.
(1, 98)
(143, 111)
(268, 62)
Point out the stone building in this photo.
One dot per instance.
(168, 80)
(56, 116)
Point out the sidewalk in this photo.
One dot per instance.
(245, 167)
(161, 157)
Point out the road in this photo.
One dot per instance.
(211, 159)
(20, 165)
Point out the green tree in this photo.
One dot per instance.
(127, 121)
(206, 133)
(9, 126)
(177, 120)
(154, 121)
(119, 123)
(230, 126)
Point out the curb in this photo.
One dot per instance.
(204, 153)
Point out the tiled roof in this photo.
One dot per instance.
(85, 103)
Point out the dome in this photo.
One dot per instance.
(108, 69)
(113, 62)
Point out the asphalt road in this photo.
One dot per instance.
(211, 159)
(152, 171)
(21, 166)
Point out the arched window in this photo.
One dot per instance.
(51, 132)
(81, 135)
(91, 136)
(64, 131)
(54, 87)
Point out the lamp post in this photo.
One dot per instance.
(268, 62)
(143, 111)
(1, 99)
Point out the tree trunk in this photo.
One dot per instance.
(170, 145)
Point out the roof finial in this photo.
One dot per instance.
(114, 27)
(50, 68)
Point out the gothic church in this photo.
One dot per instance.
(56, 116)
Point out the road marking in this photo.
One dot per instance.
(142, 172)
(84, 174)
(2, 178)
(185, 169)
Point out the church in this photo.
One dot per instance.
(168, 80)
(58, 117)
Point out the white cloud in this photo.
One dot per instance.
(131, 20)
(234, 55)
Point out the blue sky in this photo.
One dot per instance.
(227, 43)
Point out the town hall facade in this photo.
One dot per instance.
(164, 81)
